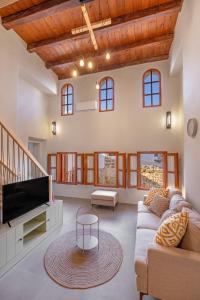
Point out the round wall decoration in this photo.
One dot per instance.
(192, 127)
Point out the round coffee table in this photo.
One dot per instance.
(87, 241)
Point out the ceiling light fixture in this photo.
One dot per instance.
(107, 56)
(75, 73)
(90, 65)
(81, 62)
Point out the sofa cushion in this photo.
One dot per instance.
(181, 204)
(155, 191)
(173, 191)
(191, 239)
(168, 213)
(172, 230)
(148, 221)
(143, 238)
(159, 205)
(142, 207)
(175, 200)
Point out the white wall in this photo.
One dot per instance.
(130, 128)
(187, 32)
(24, 83)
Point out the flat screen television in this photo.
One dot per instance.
(20, 197)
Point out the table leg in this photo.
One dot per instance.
(90, 230)
(83, 237)
(98, 234)
(76, 231)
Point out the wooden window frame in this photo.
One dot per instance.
(176, 169)
(151, 94)
(129, 170)
(63, 95)
(61, 169)
(86, 169)
(123, 170)
(164, 153)
(81, 155)
(113, 89)
(96, 154)
(49, 167)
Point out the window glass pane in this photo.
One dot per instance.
(110, 94)
(103, 85)
(70, 98)
(103, 95)
(109, 83)
(147, 89)
(103, 105)
(147, 77)
(69, 109)
(107, 164)
(147, 101)
(64, 110)
(155, 87)
(156, 99)
(64, 91)
(64, 99)
(155, 76)
(152, 170)
(70, 89)
(109, 105)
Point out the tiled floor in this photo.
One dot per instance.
(29, 281)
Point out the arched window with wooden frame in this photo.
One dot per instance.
(106, 94)
(152, 88)
(67, 100)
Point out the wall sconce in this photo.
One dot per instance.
(53, 128)
(168, 120)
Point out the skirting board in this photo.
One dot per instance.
(86, 105)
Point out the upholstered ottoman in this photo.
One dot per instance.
(105, 198)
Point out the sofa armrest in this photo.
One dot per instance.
(173, 273)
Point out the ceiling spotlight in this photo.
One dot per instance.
(107, 55)
(75, 73)
(81, 63)
(90, 65)
(97, 85)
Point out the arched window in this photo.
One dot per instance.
(106, 94)
(151, 88)
(67, 100)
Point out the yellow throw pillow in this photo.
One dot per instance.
(155, 191)
(172, 230)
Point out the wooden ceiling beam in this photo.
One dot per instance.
(39, 11)
(135, 45)
(155, 11)
(119, 65)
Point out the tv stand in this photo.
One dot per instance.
(27, 232)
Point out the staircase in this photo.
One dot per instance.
(16, 162)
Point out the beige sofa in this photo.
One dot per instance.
(164, 273)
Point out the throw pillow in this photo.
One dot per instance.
(173, 191)
(155, 191)
(172, 230)
(174, 201)
(191, 239)
(168, 213)
(159, 205)
(181, 204)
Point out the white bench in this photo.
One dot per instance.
(105, 198)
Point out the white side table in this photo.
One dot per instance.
(87, 241)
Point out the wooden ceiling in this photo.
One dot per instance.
(140, 31)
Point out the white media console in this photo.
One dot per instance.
(26, 232)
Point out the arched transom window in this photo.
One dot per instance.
(106, 94)
(151, 88)
(67, 100)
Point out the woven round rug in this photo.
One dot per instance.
(70, 267)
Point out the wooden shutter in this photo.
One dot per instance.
(52, 165)
(172, 170)
(132, 166)
(89, 169)
(66, 170)
(122, 170)
(80, 168)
